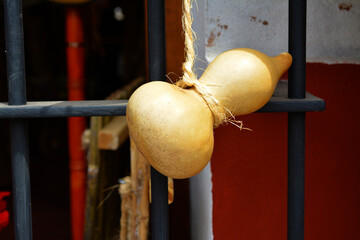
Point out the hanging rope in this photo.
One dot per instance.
(189, 78)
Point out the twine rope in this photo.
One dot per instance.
(189, 78)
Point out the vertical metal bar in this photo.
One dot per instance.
(296, 170)
(156, 39)
(21, 179)
(18, 128)
(159, 206)
(156, 51)
(296, 121)
(297, 48)
(15, 52)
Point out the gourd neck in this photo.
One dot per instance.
(282, 63)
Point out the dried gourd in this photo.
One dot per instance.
(173, 126)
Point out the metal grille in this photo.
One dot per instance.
(296, 102)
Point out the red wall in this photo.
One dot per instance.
(249, 168)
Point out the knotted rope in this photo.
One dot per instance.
(189, 78)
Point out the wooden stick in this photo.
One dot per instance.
(113, 134)
(140, 174)
(115, 131)
(134, 220)
(95, 184)
(92, 197)
(126, 199)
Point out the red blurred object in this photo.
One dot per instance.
(4, 214)
(76, 125)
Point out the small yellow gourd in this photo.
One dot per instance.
(173, 127)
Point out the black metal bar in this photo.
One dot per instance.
(15, 52)
(15, 60)
(159, 206)
(297, 48)
(296, 121)
(156, 39)
(64, 109)
(296, 175)
(156, 50)
(281, 104)
(52, 109)
(21, 179)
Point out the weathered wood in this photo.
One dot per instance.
(126, 200)
(115, 131)
(134, 223)
(96, 225)
(140, 175)
(92, 197)
(113, 134)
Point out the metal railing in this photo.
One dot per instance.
(18, 110)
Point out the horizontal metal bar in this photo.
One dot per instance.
(284, 104)
(118, 107)
(64, 109)
(278, 103)
(281, 103)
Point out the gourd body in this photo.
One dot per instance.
(173, 127)
(243, 79)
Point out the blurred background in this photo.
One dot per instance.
(114, 33)
(242, 194)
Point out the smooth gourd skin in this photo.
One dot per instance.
(173, 127)
(243, 80)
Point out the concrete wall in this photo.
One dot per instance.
(333, 28)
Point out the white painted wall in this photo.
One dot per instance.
(201, 201)
(201, 205)
(333, 28)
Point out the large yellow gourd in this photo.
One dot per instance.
(173, 127)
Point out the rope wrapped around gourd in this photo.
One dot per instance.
(189, 78)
